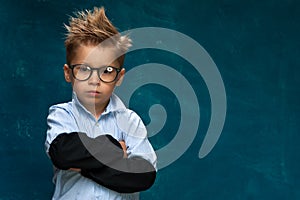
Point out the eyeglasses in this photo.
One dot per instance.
(83, 72)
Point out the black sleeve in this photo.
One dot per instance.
(77, 150)
(127, 175)
(102, 162)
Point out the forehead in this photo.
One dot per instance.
(95, 55)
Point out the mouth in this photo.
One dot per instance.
(93, 92)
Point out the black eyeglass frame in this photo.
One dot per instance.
(98, 72)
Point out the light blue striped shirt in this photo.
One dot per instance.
(116, 120)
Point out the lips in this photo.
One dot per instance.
(93, 92)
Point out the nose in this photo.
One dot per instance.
(94, 79)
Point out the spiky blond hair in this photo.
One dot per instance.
(91, 28)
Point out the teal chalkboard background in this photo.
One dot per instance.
(255, 45)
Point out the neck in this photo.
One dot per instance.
(97, 110)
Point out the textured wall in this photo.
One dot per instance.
(255, 45)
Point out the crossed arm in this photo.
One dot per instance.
(103, 162)
(123, 145)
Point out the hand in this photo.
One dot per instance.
(123, 145)
(75, 169)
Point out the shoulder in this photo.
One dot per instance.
(129, 115)
(116, 104)
(121, 111)
(61, 108)
(129, 122)
(61, 116)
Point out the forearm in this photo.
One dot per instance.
(70, 151)
(127, 175)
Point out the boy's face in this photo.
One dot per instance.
(93, 93)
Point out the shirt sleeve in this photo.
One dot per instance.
(135, 136)
(59, 121)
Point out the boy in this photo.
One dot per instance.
(99, 148)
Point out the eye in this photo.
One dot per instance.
(84, 68)
(109, 69)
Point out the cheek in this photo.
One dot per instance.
(77, 86)
(109, 87)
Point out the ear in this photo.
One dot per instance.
(121, 76)
(67, 72)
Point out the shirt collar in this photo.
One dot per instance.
(115, 104)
